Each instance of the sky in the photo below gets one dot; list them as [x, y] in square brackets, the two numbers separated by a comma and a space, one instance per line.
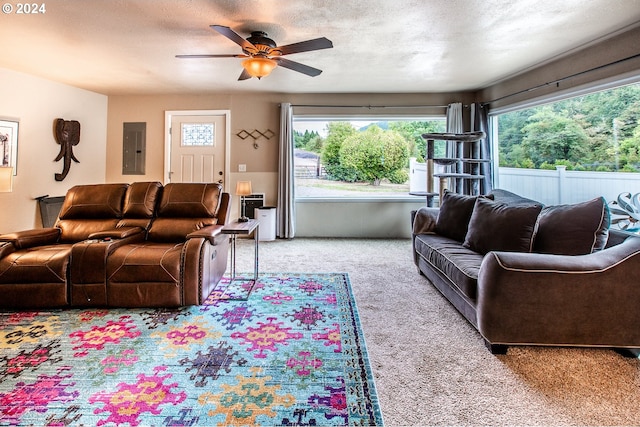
[320, 126]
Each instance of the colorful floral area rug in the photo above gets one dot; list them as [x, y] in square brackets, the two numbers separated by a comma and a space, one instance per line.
[290, 353]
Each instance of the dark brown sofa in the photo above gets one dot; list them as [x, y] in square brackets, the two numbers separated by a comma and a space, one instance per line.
[524, 274]
[120, 245]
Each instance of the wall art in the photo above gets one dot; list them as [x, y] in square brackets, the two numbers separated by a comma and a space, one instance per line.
[9, 144]
[67, 133]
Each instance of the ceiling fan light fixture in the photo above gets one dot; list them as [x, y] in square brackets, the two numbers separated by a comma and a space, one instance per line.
[259, 67]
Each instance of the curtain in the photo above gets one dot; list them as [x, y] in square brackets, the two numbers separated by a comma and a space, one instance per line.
[480, 122]
[454, 149]
[286, 201]
[454, 118]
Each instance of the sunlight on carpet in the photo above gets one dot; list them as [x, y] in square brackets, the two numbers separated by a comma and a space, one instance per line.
[292, 353]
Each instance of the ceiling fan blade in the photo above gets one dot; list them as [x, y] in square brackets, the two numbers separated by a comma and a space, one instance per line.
[213, 56]
[306, 46]
[235, 37]
[244, 75]
[296, 66]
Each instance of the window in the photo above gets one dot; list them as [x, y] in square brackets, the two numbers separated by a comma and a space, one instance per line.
[571, 150]
[358, 157]
[197, 134]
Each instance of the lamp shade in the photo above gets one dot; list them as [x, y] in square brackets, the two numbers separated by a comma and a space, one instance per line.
[243, 188]
[259, 67]
[6, 179]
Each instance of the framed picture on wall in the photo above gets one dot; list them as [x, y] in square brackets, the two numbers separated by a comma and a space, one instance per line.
[9, 144]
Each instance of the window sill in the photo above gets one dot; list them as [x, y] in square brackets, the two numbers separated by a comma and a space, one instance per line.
[343, 199]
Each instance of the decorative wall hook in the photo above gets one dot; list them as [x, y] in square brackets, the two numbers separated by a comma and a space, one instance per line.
[255, 134]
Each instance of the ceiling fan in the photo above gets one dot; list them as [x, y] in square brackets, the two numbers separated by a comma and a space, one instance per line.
[263, 54]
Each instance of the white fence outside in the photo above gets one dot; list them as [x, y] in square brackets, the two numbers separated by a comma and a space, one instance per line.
[417, 176]
[561, 186]
[551, 187]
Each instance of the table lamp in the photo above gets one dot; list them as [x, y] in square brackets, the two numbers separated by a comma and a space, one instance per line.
[243, 188]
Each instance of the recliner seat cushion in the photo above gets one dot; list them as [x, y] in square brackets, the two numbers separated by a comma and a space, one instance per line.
[459, 264]
[42, 264]
[145, 275]
[145, 262]
[76, 230]
[175, 230]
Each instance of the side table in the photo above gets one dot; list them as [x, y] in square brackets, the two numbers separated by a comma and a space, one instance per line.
[234, 229]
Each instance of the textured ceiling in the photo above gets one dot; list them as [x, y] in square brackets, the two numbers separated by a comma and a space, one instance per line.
[129, 47]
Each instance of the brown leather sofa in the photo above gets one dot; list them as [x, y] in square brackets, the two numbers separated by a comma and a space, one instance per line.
[120, 245]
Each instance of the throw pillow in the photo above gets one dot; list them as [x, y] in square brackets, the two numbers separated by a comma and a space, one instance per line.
[497, 226]
[576, 229]
[454, 215]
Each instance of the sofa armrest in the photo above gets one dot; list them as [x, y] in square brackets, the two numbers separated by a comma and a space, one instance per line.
[31, 238]
[618, 236]
[116, 233]
[209, 232]
[424, 220]
[6, 248]
[204, 261]
[592, 299]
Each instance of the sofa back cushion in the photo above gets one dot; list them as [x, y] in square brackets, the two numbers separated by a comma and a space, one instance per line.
[93, 201]
[185, 208]
[89, 209]
[186, 200]
[496, 226]
[577, 229]
[140, 203]
[454, 215]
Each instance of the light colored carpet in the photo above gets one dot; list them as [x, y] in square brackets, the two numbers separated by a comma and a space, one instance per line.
[432, 368]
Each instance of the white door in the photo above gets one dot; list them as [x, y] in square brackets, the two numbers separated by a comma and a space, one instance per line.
[197, 147]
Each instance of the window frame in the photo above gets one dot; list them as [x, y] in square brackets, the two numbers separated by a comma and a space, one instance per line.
[373, 117]
[558, 96]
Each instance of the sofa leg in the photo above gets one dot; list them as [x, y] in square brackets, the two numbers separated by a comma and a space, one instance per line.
[496, 348]
[628, 352]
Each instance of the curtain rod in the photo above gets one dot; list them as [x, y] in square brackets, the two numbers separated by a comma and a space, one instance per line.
[558, 81]
[370, 107]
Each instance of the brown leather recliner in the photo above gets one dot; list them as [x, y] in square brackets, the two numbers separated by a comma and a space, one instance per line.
[183, 257]
[137, 245]
[87, 276]
[35, 273]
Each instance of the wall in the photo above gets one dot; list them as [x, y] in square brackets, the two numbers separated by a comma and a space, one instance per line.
[608, 60]
[248, 112]
[339, 218]
[356, 218]
[36, 103]
[262, 112]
